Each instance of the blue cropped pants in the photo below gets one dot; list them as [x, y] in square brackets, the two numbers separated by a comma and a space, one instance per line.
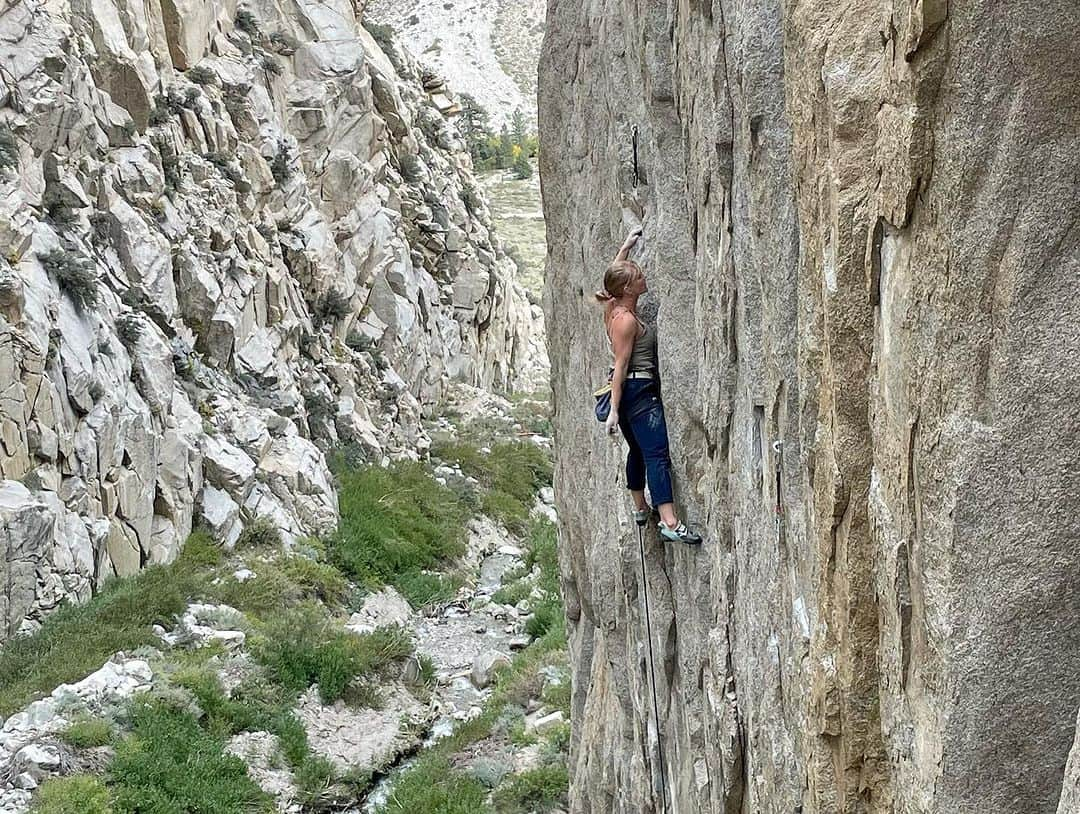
[641, 419]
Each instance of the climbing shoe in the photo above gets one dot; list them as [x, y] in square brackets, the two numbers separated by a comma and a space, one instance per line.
[679, 534]
[641, 517]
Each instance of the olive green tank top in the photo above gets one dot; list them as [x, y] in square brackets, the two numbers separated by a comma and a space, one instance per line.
[643, 356]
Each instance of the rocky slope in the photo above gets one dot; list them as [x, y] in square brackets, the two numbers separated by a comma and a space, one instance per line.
[861, 235]
[486, 49]
[230, 239]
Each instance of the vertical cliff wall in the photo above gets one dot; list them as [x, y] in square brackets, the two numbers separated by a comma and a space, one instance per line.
[862, 238]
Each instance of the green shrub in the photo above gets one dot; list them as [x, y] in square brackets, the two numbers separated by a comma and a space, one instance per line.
[78, 794]
[432, 786]
[200, 551]
[271, 65]
[317, 580]
[129, 327]
[284, 43]
[511, 473]
[159, 114]
[201, 75]
[394, 522]
[542, 549]
[428, 675]
[74, 274]
[512, 592]
[522, 167]
[246, 22]
[171, 765]
[302, 647]
[421, 588]
[411, 169]
[88, 733]
[541, 789]
[333, 306]
[507, 509]
[281, 170]
[260, 533]
[546, 616]
[382, 34]
[9, 148]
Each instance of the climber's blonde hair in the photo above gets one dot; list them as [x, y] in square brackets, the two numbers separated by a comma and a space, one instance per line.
[618, 276]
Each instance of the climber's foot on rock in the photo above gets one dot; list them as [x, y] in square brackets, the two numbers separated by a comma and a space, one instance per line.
[679, 534]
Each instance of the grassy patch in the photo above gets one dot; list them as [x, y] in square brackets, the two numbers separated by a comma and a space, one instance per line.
[260, 533]
[396, 523]
[302, 647]
[541, 789]
[259, 705]
[511, 474]
[78, 794]
[434, 788]
[280, 584]
[171, 765]
[87, 733]
[77, 639]
[512, 592]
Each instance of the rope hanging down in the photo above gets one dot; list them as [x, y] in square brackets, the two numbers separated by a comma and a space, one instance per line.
[652, 667]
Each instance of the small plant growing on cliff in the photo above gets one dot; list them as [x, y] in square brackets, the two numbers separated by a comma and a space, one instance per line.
[201, 75]
[260, 533]
[471, 198]
[382, 34]
[236, 101]
[411, 169]
[225, 163]
[129, 327]
[280, 165]
[271, 65]
[74, 274]
[333, 306]
[191, 97]
[158, 115]
[99, 223]
[284, 43]
[9, 148]
[246, 22]
[10, 286]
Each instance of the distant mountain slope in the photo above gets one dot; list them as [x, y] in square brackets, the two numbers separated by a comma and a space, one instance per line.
[488, 48]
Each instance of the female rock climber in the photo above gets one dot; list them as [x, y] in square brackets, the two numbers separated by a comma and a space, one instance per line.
[636, 407]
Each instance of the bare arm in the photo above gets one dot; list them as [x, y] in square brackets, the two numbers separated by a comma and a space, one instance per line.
[623, 332]
[628, 244]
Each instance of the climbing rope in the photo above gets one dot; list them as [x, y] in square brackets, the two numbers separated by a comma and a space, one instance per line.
[652, 666]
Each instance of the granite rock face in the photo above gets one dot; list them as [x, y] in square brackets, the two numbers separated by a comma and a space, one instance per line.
[231, 238]
[861, 237]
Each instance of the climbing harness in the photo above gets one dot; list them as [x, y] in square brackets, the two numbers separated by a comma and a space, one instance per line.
[652, 664]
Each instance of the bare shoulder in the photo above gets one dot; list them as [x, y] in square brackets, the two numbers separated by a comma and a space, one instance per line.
[622, 325]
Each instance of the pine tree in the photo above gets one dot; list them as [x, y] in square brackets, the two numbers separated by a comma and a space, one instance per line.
[506, 148]
[519, 129]
[522, 166]
[474, 126]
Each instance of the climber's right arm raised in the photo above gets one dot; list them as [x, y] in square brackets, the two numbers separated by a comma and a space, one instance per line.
[628, 244]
